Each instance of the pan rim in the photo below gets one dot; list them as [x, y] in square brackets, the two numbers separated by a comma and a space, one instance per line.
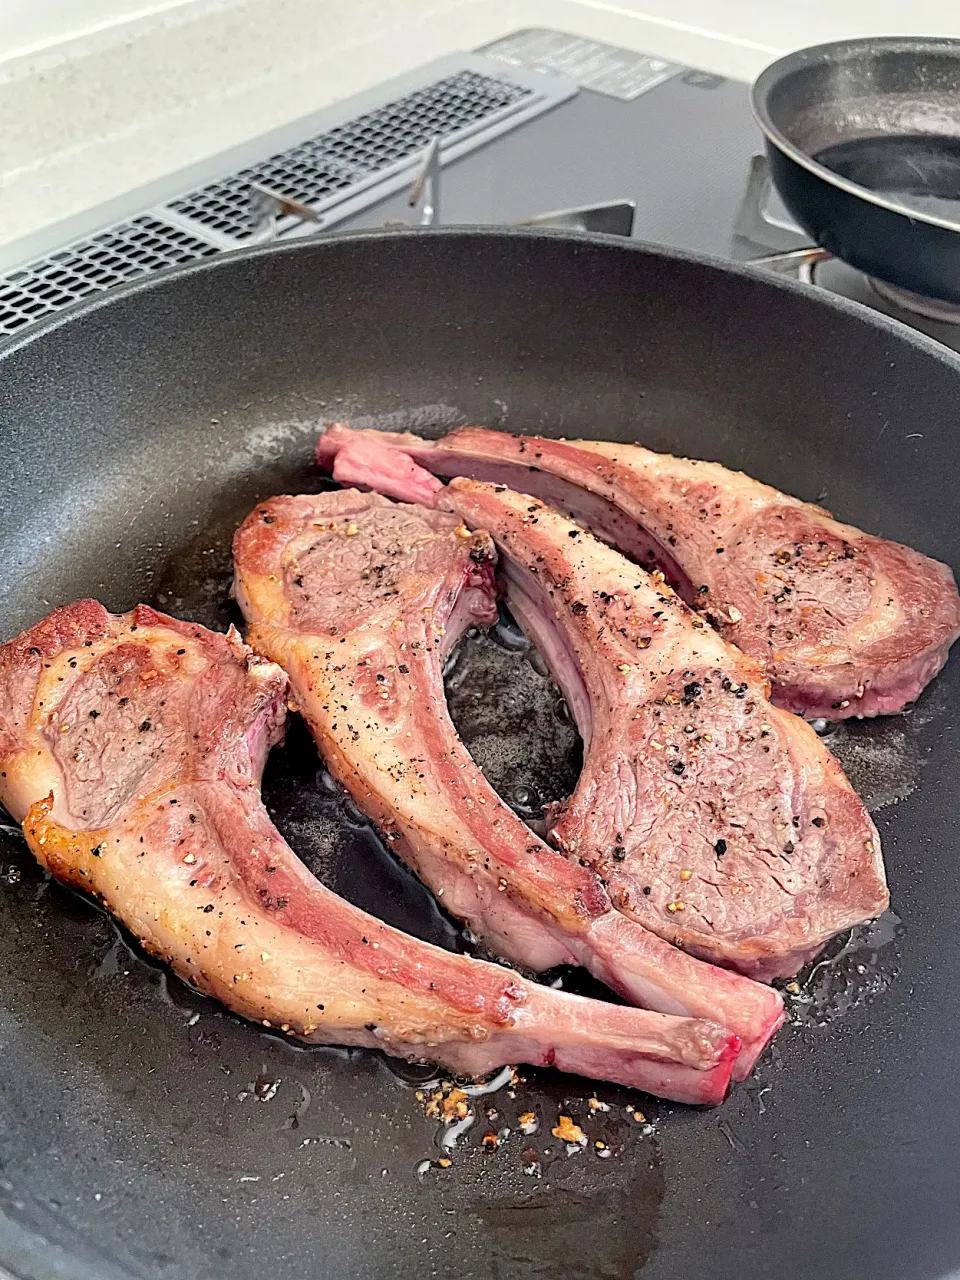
[883, 324]
[800, 58]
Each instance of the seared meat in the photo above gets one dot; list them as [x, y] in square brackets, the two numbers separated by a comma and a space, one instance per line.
[132, 747]
[716, 820]
[845, 624]
[359, 599]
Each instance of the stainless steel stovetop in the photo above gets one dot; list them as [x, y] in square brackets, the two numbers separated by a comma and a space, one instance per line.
[536, 122]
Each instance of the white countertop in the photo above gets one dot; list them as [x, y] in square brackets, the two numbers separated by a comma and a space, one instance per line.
[95, 115]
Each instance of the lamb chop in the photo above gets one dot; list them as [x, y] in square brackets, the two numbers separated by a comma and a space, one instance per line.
[844, 623]
[360, 599]
[716, 820]
[131, 748]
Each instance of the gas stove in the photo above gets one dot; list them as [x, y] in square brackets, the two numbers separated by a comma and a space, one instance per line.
[540, 128]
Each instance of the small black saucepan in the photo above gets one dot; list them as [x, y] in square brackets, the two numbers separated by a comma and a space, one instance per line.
[863, 140]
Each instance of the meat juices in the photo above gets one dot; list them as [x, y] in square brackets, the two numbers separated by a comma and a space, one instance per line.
[844, 623]
[131, 748]
[360, 599]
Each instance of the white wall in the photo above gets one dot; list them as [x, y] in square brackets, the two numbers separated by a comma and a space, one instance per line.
[28, 25]
[795, 23]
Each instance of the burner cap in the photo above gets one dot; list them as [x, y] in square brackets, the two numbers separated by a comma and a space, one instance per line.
[932, 308]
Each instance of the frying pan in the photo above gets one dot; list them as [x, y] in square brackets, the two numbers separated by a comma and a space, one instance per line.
[146, 1133]
[863, 140]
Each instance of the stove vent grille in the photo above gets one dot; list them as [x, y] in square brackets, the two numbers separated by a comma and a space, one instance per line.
[340, 161]
[327, 165]
[111, 257]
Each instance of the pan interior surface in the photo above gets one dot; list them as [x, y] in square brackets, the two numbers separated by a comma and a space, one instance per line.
[140, 1140]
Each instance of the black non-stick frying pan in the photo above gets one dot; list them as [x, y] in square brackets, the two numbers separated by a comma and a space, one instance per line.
[145, 1132]
[863, 140]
